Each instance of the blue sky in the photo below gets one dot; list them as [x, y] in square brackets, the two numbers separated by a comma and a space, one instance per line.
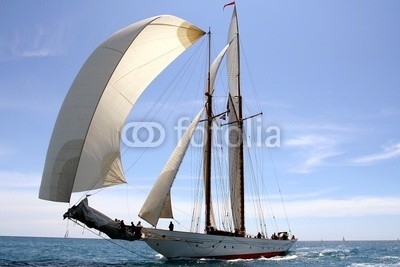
[326, 72]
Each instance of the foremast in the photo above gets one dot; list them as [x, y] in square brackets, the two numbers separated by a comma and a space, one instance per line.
[208, 141]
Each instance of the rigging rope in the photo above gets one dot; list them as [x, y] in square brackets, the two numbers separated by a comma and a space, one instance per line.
[254, 91]
[280, 192]
[107, 239]
[182, 71]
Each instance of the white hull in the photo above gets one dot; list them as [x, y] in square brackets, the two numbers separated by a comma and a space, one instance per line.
[175, 244]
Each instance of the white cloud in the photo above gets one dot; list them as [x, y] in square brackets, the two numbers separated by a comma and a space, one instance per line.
[345, 207]
[44, 42]
[314, 160]
[305, 195]
[298, 124]
[19, 180]
[41, 52]
[389, 152]
[356, 206]
[313, 150]
[34, 41]
[5, 150]
[311, 140]
[27, 215]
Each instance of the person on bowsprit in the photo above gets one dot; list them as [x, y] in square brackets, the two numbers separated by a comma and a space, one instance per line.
[133, 228]
[171, 226]
[122, 226]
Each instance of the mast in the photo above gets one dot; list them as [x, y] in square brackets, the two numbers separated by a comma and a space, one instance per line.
[236, 159]
[240, 126]
[208, 142]
[241, 158]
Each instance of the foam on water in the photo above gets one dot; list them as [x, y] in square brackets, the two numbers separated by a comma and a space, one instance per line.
[280, 258]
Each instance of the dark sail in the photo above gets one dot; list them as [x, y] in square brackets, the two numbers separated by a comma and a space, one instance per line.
[97, 220]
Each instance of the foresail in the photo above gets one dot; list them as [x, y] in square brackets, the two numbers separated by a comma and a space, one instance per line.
[158, 202]
[235, 134]
[84, 150]
[215, 67]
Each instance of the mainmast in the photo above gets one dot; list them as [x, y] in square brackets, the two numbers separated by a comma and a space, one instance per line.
[208, 141]
[236, 159]
[240, 125]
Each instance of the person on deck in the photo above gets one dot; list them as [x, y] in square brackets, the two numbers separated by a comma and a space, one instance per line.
[138, 230]
[171, 226]
[236, 233]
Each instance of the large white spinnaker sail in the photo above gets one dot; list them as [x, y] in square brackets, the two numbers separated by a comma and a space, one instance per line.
[84, 151]
[234, 117]
[158, 202]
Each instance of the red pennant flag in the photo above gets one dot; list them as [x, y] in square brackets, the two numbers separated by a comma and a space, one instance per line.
[229, 4]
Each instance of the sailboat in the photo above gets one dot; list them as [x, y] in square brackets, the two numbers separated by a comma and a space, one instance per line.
[84, 151]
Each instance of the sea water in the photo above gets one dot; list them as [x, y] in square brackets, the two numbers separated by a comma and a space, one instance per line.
[35, 251]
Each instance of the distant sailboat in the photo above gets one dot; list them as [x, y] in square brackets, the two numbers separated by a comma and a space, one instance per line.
[84, 151]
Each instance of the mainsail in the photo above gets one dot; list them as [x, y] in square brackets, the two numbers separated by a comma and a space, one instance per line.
[158, 202]
[84, 151]
[235, 127]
